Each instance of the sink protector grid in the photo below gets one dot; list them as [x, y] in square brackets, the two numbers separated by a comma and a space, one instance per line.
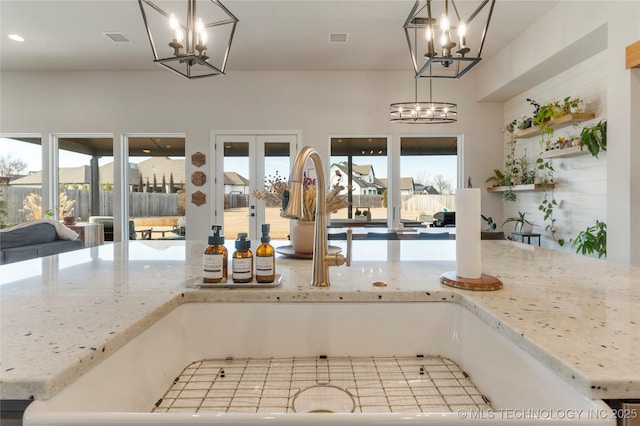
[419, 384]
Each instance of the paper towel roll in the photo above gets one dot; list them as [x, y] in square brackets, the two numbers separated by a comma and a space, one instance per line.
[468, 264]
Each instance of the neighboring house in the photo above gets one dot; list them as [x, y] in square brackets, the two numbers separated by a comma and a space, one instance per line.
[407, 186]
[430, 190]
[81, 175]
[364, 181]
[160, 167]
[235, 183]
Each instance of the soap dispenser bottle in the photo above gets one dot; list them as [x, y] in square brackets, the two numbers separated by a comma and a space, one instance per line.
[265, 258]
[214, 263]
[242, 260]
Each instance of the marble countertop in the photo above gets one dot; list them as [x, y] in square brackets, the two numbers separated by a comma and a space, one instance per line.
[61, 315]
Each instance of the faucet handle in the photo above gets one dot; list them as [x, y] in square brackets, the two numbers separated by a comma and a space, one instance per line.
[349, 238]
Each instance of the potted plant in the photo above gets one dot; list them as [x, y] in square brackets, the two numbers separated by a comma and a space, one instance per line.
[571, 106]
[302, 230]
[595, 137]
[490, 222]
[592, 240]
[511, 127]
[520, 221]
[499, 178]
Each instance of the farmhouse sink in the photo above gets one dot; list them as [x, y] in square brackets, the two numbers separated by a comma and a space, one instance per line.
[357, 363]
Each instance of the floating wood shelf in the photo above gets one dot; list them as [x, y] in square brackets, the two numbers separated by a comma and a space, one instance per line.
[565, 152]
[515, 188]
[564, 121]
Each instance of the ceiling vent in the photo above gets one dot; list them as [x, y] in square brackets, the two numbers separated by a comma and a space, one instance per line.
[117, 37]
[338, 37]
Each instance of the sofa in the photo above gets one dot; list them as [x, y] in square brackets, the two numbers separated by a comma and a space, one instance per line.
[36, 239]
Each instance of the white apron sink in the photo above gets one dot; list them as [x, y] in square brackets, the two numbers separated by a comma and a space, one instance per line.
[500, 382]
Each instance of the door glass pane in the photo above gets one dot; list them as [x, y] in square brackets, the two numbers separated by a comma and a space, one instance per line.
[20, 180]
[236, 189]
[429, 177]
[360, 163]
[156, 184]
[277, 162]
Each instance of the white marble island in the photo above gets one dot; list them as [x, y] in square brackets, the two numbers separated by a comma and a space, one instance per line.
[62, 315]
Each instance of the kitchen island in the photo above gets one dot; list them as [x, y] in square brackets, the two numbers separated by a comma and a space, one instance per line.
[61, 315]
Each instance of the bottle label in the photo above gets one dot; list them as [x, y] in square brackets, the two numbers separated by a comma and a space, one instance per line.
[242, 268]
[264, 266]
[212, 266]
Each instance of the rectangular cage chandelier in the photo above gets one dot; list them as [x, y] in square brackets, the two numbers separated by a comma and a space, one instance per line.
[444, 44]
[193, 36]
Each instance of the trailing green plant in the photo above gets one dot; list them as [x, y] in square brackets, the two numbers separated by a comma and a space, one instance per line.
[595, 137]
[592, 240]
[509, 195]
[547, 207]
[511, 127]
[536, 106]
[520, 221]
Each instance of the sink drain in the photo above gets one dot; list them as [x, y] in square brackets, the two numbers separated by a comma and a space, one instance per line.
[323, 399]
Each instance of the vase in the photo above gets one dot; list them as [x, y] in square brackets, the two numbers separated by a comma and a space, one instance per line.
[302, 236]
[69, 220]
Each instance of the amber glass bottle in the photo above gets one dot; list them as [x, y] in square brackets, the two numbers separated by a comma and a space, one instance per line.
[242, 260]
[214, 263]
[265, 258]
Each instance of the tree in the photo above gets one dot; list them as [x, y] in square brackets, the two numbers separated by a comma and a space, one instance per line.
[10, 165]
[442, 185]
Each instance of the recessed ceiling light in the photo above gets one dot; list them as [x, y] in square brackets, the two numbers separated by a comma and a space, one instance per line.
[15, 37]
[146, 151]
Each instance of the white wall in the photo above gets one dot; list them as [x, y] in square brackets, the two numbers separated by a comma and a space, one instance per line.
[570, 33]
[581, 182]
[315, 103]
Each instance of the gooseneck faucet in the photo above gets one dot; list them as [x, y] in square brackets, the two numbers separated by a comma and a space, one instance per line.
[292, 205]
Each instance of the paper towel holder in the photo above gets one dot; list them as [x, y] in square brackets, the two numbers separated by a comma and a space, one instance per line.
[484, 283]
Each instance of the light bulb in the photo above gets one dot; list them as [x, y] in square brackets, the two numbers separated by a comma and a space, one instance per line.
[400, 110]
[445, 110]
[428, 34]
[179, 36]
[203, 37]
[462, 29]
[444, 39]
[173, 22]
[417, 107]
[433, 107]
[444, 22]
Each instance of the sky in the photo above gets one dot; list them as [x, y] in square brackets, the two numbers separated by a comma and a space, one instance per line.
[421, 168]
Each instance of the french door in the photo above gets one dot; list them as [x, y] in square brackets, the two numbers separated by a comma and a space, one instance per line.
[244, 163]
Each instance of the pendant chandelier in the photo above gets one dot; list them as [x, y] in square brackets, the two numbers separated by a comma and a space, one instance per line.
[193, 40]
[451, 45]
[431, 112]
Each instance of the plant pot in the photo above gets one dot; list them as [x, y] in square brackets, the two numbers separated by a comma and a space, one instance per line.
[69, 220]
[302, 236]
[526, 228]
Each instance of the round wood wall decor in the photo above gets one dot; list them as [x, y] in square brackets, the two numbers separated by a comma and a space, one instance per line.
[198, 198]
[198, 178]
[198, 159]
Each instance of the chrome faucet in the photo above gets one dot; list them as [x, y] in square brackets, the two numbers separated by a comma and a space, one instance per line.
[292, 203]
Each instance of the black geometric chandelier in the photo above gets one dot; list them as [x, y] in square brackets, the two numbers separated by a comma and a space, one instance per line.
[431, 112]
[193, 40]
[450, 45]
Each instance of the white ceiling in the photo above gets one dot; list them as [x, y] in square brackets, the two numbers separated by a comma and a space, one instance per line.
[271, 34]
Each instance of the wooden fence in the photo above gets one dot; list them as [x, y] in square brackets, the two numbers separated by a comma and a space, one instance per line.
[141, 204]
